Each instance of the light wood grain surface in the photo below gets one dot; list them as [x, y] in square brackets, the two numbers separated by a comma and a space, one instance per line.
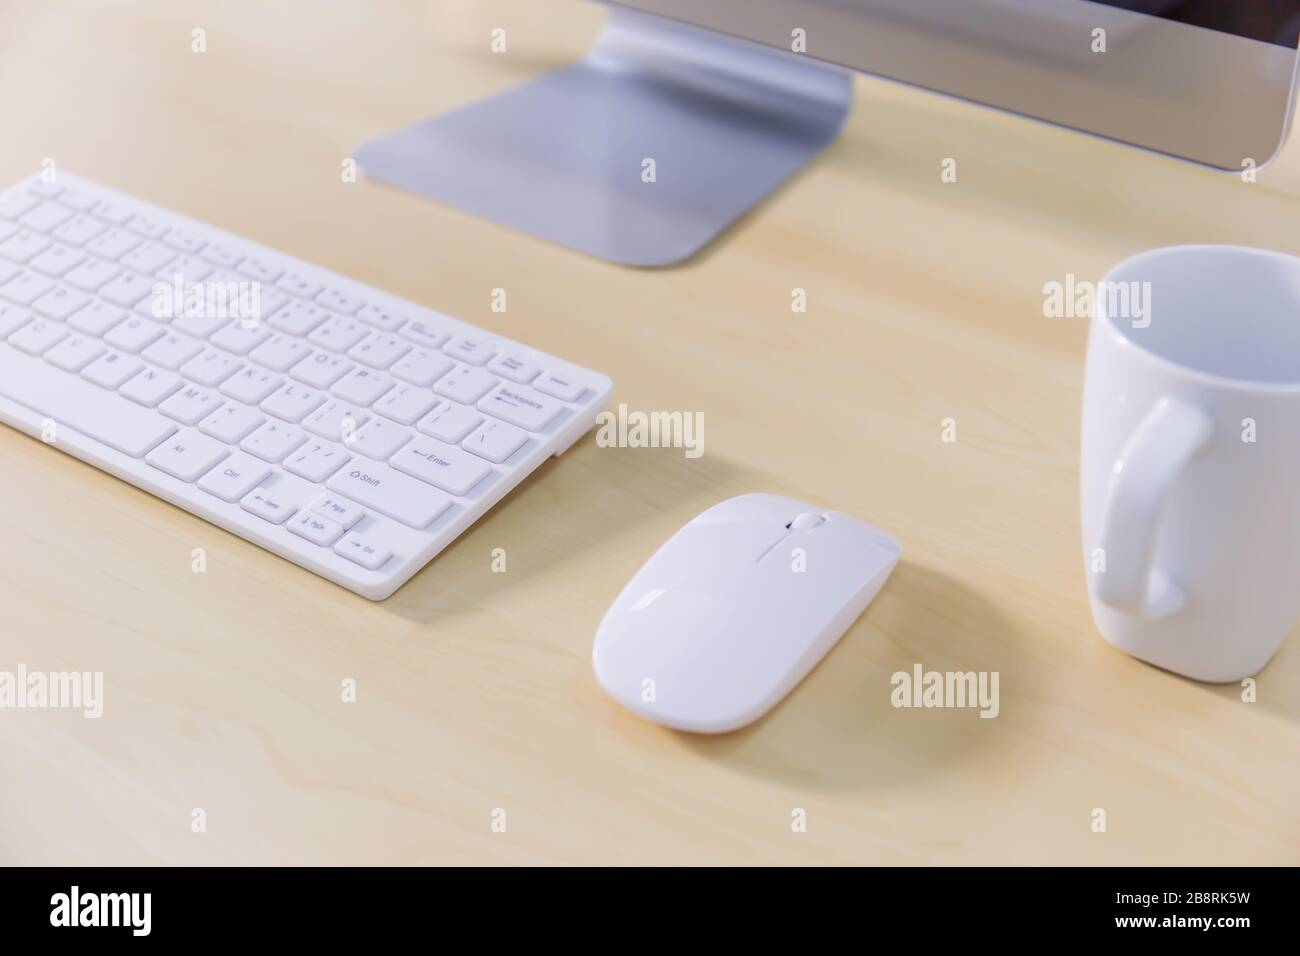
[475, 690]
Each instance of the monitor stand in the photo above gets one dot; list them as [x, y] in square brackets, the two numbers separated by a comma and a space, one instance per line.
[640, 153]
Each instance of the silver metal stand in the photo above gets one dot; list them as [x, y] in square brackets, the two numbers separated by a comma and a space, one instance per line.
[641, 153]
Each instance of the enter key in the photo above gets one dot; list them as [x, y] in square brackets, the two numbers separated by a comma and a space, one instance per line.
[442, 465]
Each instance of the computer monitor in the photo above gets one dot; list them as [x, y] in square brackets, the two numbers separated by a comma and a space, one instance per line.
[686, 113]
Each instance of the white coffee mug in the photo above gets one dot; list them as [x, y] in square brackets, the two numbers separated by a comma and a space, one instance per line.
[1190, 469]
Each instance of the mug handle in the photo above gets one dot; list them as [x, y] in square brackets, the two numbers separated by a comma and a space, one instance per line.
[1147, 467]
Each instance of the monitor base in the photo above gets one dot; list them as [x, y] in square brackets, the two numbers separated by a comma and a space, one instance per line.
[640, 153]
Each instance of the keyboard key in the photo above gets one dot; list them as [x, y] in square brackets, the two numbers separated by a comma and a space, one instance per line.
[469, 350]
[260, 270]
[231, 422]
[22, 246]
[159, 305]
[59, 303]
[406, 404]
[133, 334]
[316, 461]
[378, 439]
[496, 441]
[300, 285]
[92, 274]
[221, 254]
[184, 269]
[522, 406]
[96, 318]
[189, 406]
[269, 504]
[111, 370]
[315, 529]
[79, 230]
[337, 421]
[379, 350]
[238, 338]
[465, 384]
[74, 353]
[149, 257]
[57, 260]
[422, 367]
[184, 241]
[380, 488]
[514, 368]
[36, 337]
[362, 386]
[211, 368]
[112, 244]
[199, 326]
[563, 387]
[77, 199]
[12, 318]
[18, 204]
[144, 226]
[26, 288]
[282, 352]
[339, 510]
[237, 290]
[163, 303]
[46, 217]
[426, 333]
[112, 211]
[172, 351]
[450, 422]
[235, 477]
[46, 189]
[293, 402]
[363, 551]
[7, 271]
[80, 406]
[274, 441]
[442, 465]
[250, 385]
[266, 302]
[339, 301]
[381, 318]
[187, 455]
[338, 335]
[150, 387]
[127, 289]
[298, 318]
[321, 370]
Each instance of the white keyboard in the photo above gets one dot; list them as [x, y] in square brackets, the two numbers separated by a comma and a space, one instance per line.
[352, 432]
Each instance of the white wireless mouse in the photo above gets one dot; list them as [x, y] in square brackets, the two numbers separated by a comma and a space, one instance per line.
[736, 608]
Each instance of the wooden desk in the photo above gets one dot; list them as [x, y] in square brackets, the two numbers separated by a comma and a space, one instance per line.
[474, 688]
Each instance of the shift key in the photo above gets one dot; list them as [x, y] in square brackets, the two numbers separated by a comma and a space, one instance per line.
[390, 492]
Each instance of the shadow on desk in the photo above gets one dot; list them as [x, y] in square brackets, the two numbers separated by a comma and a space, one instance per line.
[839, 729]
[1277, 686]
[588, 498]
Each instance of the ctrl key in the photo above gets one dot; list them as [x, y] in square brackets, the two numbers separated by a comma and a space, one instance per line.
[235, 477]
[366, 553]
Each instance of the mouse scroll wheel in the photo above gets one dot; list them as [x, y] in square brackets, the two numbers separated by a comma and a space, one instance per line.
[806, 522]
